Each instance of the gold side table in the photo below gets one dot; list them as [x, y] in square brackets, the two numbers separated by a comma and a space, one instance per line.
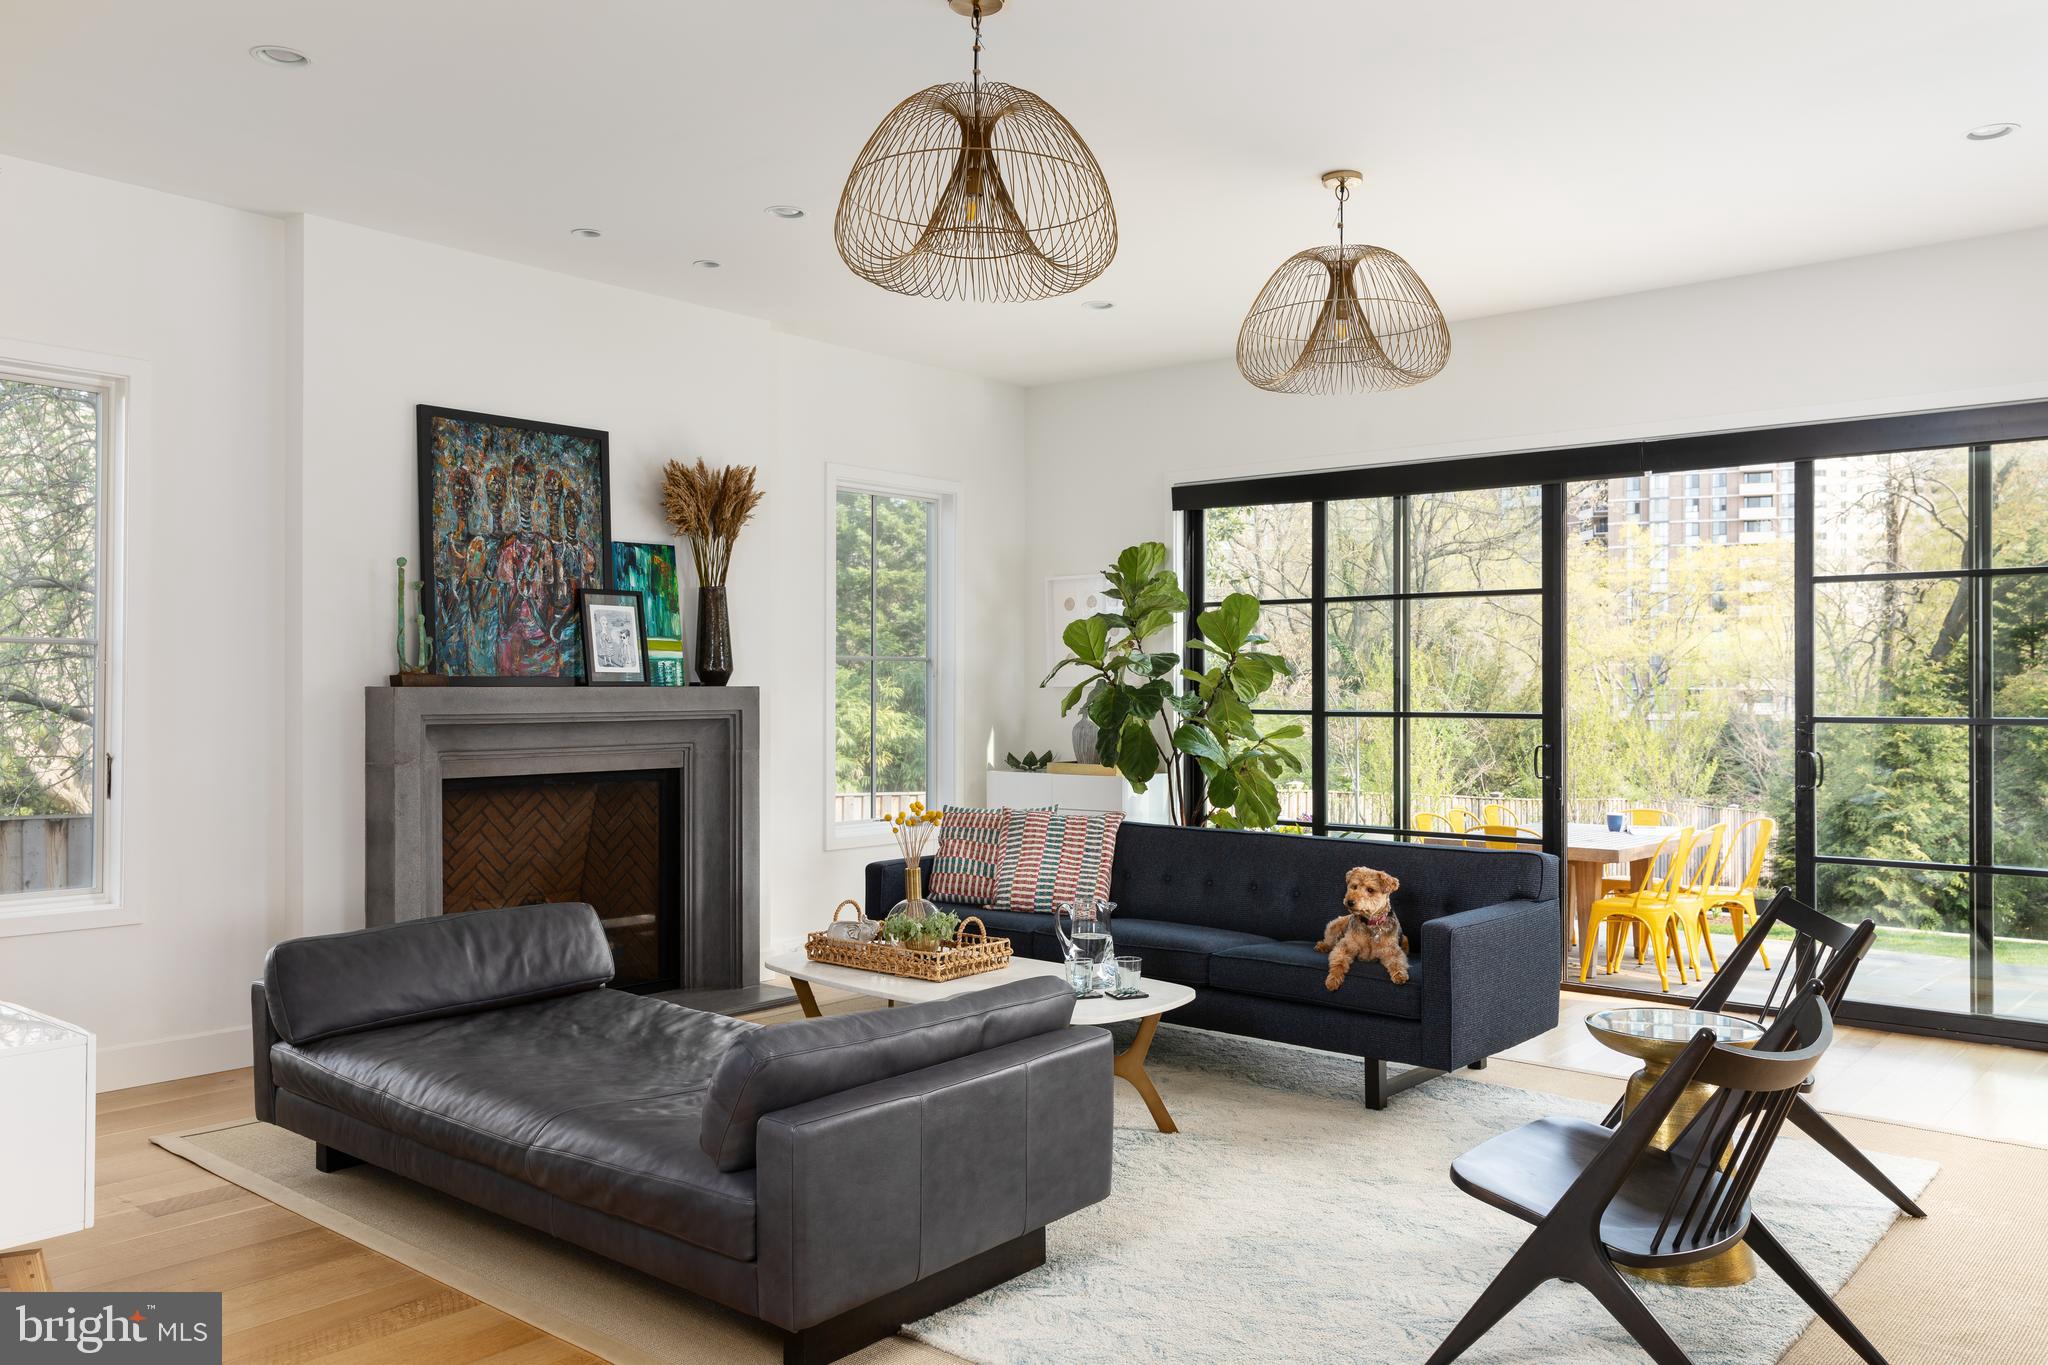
[1656, 1035]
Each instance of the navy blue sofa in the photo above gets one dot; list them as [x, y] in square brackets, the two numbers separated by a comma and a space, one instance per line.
[1237, 915]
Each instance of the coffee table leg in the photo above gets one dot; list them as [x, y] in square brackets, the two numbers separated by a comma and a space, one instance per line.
[1130, 1064]
[805, 999]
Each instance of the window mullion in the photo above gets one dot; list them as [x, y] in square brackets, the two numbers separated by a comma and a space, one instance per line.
[1399, 816]
[931, 529]
[1983, 912]
[874, 667]
[1319, 701]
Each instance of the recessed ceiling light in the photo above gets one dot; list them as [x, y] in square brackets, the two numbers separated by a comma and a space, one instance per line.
[1991, 132]
[278, 55]
[784, 210]
[1099, 305]
[586, 232]
[706, 264]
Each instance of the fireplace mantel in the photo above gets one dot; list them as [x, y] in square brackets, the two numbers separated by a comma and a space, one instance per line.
[419, 737]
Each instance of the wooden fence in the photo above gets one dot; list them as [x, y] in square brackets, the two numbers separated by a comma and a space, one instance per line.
[45, 853]
[851, 806]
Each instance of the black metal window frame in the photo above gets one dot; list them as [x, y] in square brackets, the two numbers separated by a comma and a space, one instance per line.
[1553, 468]
[1400, 598]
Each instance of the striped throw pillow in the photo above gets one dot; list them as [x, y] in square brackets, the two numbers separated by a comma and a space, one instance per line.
[970, 844]
[1053, 856]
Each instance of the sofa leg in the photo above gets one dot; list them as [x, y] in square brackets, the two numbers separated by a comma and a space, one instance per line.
[1479, 1065]
[839, 1337]
[1378, 1089]
[327, 1160]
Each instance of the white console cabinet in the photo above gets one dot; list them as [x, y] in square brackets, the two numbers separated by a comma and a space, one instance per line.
[1078, 791]
[46, 1135]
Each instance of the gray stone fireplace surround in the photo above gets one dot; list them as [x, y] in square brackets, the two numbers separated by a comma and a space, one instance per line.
[419, 737]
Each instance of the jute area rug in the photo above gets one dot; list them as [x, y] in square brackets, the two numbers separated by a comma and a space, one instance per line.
[1285, 1222]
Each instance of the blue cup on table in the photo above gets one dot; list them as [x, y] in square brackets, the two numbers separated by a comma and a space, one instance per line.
[1617, 823]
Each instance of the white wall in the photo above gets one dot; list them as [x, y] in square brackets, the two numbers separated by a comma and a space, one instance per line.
[1932, 327]
[187, 293]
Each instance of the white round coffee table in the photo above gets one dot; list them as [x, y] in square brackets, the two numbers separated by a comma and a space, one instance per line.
[1160, 996]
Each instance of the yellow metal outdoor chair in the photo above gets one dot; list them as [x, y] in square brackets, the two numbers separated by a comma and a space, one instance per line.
[1733, 885]
[1655, 818]
[1429, 822]
[1504, 835]
[1653, 905]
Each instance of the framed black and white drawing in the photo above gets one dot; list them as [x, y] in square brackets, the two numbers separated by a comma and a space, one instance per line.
[614, 639]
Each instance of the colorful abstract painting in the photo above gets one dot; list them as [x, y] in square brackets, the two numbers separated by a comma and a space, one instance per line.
[514, 519]
[650, 570]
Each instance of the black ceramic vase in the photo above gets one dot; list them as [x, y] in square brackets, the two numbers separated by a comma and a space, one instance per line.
[714, 638]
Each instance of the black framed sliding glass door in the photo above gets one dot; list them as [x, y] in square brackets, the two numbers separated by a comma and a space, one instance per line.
[1923, 797]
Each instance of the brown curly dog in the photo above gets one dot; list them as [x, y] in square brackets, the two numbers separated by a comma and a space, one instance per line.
[1366, 929]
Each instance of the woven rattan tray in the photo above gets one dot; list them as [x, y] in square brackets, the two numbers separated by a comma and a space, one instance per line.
[965, 954]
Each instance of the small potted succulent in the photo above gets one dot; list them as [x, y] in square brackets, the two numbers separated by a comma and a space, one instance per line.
[924, 932]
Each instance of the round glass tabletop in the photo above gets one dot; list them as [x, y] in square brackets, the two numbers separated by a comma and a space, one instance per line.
[1656, 1034]
[1675, 1025]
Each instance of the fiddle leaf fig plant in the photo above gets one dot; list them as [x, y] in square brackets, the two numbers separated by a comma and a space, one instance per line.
[1144, 720]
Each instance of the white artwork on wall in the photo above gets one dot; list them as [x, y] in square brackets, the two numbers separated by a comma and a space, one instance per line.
[1075, 597]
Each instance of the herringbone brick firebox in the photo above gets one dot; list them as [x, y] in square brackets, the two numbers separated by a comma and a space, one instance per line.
[600, 838]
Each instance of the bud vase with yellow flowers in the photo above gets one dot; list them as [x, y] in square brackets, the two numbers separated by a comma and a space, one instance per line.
[913, 832]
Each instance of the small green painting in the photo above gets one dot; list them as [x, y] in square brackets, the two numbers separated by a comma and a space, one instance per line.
[650, 570]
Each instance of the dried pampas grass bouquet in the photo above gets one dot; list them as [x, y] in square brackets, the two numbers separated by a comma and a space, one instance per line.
[708, 507]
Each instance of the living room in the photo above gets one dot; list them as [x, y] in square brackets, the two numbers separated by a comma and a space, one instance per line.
[1371, 625]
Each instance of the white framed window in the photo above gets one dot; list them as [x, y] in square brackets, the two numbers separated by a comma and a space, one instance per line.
[63, 424]
[890, 700]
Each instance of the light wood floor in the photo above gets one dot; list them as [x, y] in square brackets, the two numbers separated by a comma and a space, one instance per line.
[293, 1291]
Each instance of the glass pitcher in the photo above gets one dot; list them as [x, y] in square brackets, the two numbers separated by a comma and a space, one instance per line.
[1082, 926]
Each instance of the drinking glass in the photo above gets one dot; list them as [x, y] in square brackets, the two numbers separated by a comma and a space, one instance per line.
[1129, 972]
[1080, 975]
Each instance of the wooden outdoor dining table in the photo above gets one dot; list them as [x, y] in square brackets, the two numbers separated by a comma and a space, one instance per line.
[1588, 849]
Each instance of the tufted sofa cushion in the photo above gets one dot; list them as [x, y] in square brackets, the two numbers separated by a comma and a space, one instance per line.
[1288, 886]
[1176, 952]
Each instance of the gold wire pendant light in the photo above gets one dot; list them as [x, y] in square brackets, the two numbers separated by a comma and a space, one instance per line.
[976, 190]
[1342, 319]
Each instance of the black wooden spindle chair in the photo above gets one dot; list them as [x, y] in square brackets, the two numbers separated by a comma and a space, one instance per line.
[1601, 1197]
[1825, 950]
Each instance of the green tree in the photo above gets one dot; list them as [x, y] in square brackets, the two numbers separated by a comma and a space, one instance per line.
[883, 582]
[49, 601]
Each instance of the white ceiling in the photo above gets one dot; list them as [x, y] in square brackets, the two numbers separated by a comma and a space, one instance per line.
[1517, 154]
